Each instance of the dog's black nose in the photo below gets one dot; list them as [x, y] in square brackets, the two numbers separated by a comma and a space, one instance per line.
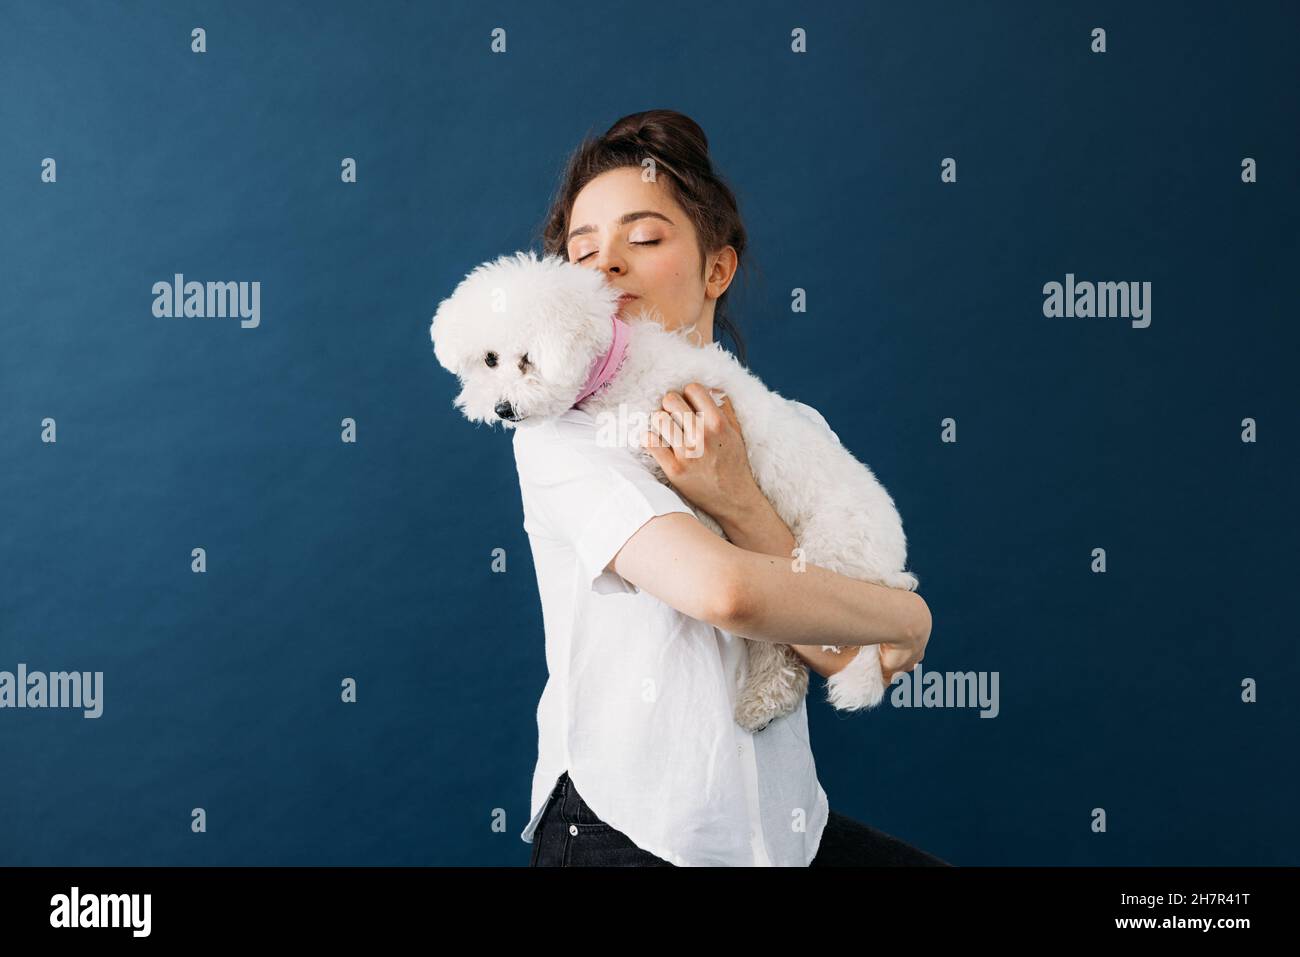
[504, 410]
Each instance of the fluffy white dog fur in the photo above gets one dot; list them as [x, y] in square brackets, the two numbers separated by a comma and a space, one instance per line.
[548, 321]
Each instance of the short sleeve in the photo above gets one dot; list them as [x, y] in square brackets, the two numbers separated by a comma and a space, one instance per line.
[590, 496]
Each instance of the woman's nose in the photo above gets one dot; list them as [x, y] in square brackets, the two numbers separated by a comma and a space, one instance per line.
[610, 263]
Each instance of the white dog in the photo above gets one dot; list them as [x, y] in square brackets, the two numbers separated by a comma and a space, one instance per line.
[534, 337]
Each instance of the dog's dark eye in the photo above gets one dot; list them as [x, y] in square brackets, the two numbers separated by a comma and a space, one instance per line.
[523, 362]
[491, 359]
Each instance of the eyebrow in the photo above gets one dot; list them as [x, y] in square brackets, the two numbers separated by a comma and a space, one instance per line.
[623, 221]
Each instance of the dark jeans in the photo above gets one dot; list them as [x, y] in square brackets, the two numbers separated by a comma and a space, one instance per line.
[570, 835]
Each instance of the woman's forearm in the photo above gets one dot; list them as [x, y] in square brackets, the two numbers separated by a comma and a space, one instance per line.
[757, 527]
[773, 601]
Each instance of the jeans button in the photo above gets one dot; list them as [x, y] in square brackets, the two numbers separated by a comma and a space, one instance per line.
[573, 829]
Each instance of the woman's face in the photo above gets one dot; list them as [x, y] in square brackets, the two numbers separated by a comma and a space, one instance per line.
[637, 235]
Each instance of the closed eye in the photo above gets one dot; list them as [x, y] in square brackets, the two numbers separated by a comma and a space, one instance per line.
[647, 242]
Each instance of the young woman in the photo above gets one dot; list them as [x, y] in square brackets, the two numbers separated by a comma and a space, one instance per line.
[642, 605]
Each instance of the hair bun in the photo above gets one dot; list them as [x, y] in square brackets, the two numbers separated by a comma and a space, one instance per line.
[666, 134]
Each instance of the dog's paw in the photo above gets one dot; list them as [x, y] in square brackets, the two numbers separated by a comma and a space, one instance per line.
[859, 684]
[752, 715]
[775, 695]
[904, 580]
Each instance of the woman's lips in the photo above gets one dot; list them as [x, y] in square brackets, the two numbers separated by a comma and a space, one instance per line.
[624, 299]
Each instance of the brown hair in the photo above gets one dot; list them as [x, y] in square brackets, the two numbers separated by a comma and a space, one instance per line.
[680, 151]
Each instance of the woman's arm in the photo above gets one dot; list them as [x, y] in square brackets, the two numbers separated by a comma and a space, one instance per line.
[756, 527]
[700, 447]
[679, 561]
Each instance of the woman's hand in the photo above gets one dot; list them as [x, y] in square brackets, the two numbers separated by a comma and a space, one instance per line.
[700, 447]
[899, 657]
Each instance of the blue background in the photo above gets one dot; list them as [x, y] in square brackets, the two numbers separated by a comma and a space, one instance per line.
[372, 560]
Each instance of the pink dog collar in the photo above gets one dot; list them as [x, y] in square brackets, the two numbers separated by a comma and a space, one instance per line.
[603, 369]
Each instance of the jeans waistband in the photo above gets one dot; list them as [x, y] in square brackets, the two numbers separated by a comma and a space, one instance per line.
[569, 804]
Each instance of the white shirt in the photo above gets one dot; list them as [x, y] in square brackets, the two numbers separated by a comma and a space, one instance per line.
[638, 702]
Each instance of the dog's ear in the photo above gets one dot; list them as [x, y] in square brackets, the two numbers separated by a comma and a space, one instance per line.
[440, 333]
[571, 323]
[560, 347]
